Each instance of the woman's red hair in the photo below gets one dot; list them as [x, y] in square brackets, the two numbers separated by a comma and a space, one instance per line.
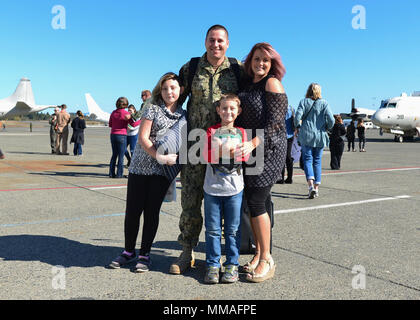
[277, 68]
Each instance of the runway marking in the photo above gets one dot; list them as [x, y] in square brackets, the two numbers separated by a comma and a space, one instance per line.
[373, 170]
[121, 186]
[118, 187]
[73, 187]
[364, 171]
[343, 204]
[23, 134]
[108, 187]
[327, 206]
[93, 188]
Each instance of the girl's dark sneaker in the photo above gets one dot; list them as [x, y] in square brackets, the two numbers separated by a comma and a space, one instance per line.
[122, 260]
[288, 181]
[143, 264]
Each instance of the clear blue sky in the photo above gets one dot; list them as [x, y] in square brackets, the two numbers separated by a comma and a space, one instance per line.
[118, 48]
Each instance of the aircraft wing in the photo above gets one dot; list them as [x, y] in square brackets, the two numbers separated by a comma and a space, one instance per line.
[361, 115]
[353, 115]
[345, 116]
[38, 108]
[23, 108]
[20, 108]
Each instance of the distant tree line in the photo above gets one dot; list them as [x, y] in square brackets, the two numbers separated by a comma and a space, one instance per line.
[42, 116]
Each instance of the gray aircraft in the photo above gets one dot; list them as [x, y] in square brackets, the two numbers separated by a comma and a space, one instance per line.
[399, 116]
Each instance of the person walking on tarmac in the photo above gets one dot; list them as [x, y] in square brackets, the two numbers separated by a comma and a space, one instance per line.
[351, 136]
[313, 118]
[337, 143]
[205, 79]
[361, 129]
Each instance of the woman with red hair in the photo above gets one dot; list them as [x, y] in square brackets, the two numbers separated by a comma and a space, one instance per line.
[264, 105]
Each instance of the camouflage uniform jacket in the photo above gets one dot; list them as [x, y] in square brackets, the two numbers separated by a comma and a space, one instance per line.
[207, 88]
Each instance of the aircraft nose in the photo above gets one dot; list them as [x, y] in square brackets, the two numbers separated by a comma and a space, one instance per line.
[381, 118]
[376, 118]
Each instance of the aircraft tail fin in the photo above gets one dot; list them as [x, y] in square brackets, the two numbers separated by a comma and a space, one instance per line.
[22, 101]
[94, 108]
[353, 106]
[24, 92]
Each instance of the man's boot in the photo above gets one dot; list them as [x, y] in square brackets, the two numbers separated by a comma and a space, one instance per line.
[185, 261]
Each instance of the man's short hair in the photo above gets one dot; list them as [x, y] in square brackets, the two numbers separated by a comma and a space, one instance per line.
[217, 27]
[146, 92]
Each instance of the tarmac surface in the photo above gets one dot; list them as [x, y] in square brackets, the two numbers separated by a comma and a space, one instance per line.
[61, 224]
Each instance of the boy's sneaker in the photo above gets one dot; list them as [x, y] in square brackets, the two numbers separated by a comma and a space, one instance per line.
[212, 275]
[122, 260]
[231, 274]
[143, 264]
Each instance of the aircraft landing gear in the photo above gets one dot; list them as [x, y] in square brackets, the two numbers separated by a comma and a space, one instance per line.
[403, 138]
[398, 138]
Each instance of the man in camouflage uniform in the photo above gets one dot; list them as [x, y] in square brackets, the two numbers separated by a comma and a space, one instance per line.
[214, 76]
[53, 134]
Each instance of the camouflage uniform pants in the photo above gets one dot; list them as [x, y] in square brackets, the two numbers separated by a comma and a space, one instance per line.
[191, 220]
[53, 137]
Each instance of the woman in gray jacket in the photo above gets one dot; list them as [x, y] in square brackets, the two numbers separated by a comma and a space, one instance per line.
[313, 118]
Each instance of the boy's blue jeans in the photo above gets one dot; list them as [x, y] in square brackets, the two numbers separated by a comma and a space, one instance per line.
[228, 208]
[312, 160]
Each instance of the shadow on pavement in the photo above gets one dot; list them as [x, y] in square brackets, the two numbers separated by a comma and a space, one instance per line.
[30, 152]
[289, 195]
[99, 165]
[55, 251]
[71, 174]
[59, 251]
